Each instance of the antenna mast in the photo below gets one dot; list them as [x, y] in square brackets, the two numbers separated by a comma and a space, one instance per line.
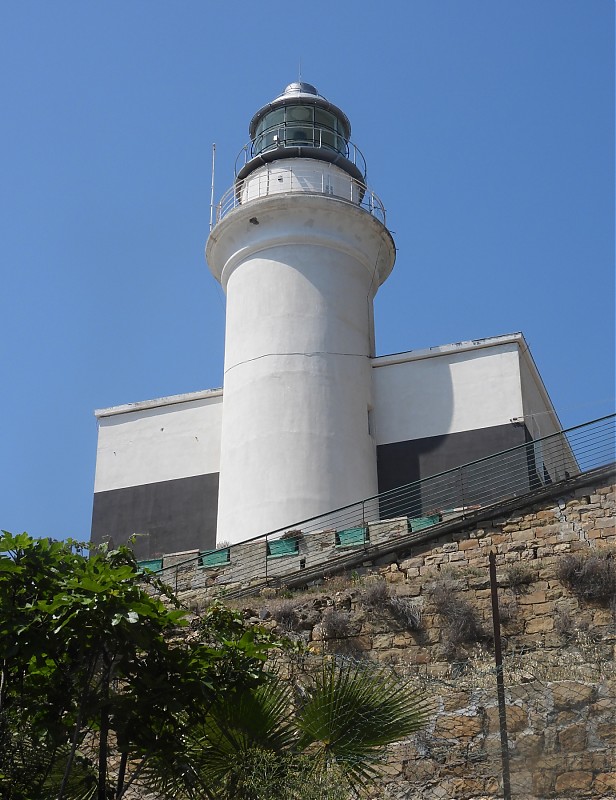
[212, 191]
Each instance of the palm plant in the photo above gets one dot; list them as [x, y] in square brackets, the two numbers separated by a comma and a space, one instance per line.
[352, 713]
[326, 740]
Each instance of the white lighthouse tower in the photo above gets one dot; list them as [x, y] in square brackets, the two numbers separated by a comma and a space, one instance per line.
[300, 247]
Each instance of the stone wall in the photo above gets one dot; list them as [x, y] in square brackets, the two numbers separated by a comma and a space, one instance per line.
[411, 605]
[407, 608]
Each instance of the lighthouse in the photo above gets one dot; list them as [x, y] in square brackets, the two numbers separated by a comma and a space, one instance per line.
[300, 248]
[310, 419]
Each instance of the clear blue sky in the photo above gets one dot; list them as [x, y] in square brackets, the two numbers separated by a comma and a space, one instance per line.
[488, 128]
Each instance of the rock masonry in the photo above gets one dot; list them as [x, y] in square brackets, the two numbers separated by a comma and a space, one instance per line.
[559, 650]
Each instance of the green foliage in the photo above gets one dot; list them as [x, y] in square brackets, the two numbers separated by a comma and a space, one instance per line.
[325, 740]
[88, 657]
[350, 715]
[93, 668]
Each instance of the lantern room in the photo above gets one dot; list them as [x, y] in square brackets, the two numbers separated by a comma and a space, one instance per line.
[301, 123]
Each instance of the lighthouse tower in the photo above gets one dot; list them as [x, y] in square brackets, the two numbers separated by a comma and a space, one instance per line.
[300, 248]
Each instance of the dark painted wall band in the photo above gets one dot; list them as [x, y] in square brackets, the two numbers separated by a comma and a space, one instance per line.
[168, 517]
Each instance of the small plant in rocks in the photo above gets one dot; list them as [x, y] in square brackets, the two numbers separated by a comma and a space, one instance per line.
[406, 612]
[461, 625]
[518, 577]
[507, 609]
[285, 614]
[377, 595]
[591, 576]
[564, 624]
[335, 624]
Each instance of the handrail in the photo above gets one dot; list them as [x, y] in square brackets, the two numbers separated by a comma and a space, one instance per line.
[275, 179]
[252, 149]
[415, 507]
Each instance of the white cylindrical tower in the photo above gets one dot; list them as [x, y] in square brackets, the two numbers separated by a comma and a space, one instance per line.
[300, 248]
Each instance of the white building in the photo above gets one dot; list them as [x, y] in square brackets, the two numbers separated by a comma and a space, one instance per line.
[312, 419]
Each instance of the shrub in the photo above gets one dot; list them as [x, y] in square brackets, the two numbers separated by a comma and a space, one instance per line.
[563, 622]
[518, 576]
[507, 609]
[337, 633]
[285, 614]
[335, 624]
[591, 576]
[406, 612]
[461, 624]
[377, 595]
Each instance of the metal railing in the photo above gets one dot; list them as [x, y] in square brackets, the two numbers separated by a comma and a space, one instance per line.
[278, 179]
[322, 139]
[296, 553]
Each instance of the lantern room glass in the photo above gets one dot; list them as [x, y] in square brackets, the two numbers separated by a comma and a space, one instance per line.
[300, 125]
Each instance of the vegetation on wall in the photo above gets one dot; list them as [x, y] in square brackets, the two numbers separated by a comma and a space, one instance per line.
[518, 577]
[101, 691]
[460, 622]
[407, 613]
[592, 576]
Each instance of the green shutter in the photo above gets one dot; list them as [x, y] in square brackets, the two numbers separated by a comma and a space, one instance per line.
[417, 523]
[352, 537]
[153, 565]
[279, 548]
[215, 558]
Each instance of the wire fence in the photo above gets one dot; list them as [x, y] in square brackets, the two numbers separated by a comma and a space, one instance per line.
[301, 552]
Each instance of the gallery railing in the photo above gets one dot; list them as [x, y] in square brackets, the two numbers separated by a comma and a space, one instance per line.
[277, 179]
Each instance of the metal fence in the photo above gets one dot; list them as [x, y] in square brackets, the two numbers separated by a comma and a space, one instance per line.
[274, 179]
[295, 554]
[319, 139]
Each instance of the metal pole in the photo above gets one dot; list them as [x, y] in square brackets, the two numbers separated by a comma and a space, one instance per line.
[462, 492]
[363, 520]
[500, 684]
[212, 192]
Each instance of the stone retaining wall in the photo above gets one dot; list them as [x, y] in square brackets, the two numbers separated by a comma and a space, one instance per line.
[559, 649]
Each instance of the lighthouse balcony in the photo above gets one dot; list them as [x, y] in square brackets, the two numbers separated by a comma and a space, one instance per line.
[305, 176]
[301, 142]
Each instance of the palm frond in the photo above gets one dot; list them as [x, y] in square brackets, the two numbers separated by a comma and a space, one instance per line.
[353, 712]
[219, 751]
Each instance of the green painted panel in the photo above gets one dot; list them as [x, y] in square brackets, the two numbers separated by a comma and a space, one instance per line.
[417, 523]
[215, 558]
[153, 565]
[352, 537]
[282, 547]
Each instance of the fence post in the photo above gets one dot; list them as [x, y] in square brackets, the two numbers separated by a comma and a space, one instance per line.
[500, 684]
[266, 578]
[364, 527]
